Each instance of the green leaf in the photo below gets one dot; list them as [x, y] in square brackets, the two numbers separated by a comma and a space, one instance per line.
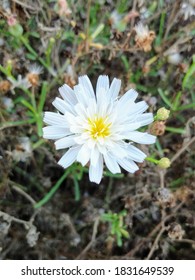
[187, 78]
[164, 98]
[53, 190]
[28, 105]
[175, 130]
[31, 56]
[177, 101]
[42, 97]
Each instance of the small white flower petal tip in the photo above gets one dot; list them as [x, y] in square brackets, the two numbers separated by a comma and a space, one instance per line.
[99, 127]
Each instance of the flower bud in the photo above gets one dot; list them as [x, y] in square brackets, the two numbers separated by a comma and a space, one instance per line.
[164, 163]
[162, 114]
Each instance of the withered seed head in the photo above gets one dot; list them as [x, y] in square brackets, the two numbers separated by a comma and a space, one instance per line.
[144, 37]
[4, 86]
[33, 79]
[158, 128]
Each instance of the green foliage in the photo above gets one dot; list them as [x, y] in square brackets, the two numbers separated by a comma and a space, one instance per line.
[118, 228]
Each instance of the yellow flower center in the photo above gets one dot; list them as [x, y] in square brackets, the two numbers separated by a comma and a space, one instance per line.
[99, 127]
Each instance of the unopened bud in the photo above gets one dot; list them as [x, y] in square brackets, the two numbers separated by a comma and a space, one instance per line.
[162, 114]
[52, 40]
[164, 163]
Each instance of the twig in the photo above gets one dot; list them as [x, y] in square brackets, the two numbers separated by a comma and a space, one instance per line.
[162, 178]
[93, 238]
[172, 19]
[157, 227]
[190, 241]
[133, 10]
[182, 149]
[87, 26]
[26, 6]
[10, 218]
[27, 196]
[155, 244]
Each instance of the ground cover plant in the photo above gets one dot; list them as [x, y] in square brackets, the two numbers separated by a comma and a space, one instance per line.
[145, 210]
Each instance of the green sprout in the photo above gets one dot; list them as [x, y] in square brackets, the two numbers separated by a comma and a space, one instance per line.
[117, 226]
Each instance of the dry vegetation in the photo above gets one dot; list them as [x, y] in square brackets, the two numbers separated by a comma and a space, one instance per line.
[48, 214]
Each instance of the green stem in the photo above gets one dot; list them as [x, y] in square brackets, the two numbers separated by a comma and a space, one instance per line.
[175, 129]
[76, 189]
[156, 161]
[16, 123]
[33, 52]
[48, 196]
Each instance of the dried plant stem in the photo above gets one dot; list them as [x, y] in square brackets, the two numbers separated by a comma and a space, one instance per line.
[190, 241]
[154, 231]
[182, 149]
[10, 218]
[93, 238]
[87, 26]
[21, 3]
[155, 244]
[162, 178]
[23, 193]
[133, 10]
[172, 18]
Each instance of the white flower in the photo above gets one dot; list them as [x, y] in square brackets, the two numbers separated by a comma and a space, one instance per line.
[115, 19]
[144, 37]
[141, 30]
[187, 9]
[35, 69]
[99, 128]
[20, 82]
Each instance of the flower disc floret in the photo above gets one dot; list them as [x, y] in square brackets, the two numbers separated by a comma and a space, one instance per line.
[100, 127]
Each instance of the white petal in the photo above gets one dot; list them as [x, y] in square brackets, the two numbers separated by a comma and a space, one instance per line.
[79, 140]
[111, 164]
[138, 108]
[81, 95]
[69, 157]
[81, 110]
[103, 103]
[71, 119]
[129, 110]
[128, 165]
[94, 156]
[92, 108]
[84, 155]
[76, 129]
[145, 119]
[126, 127]
[114, 89]
[55, 119]
[129, 96]
[68, 94]
[55, 132]
[86, 84]
[62, 106]
[135, 154]
[65, 142]
[118, 150]
[141, 137]
[95, 172]
[102, 84]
